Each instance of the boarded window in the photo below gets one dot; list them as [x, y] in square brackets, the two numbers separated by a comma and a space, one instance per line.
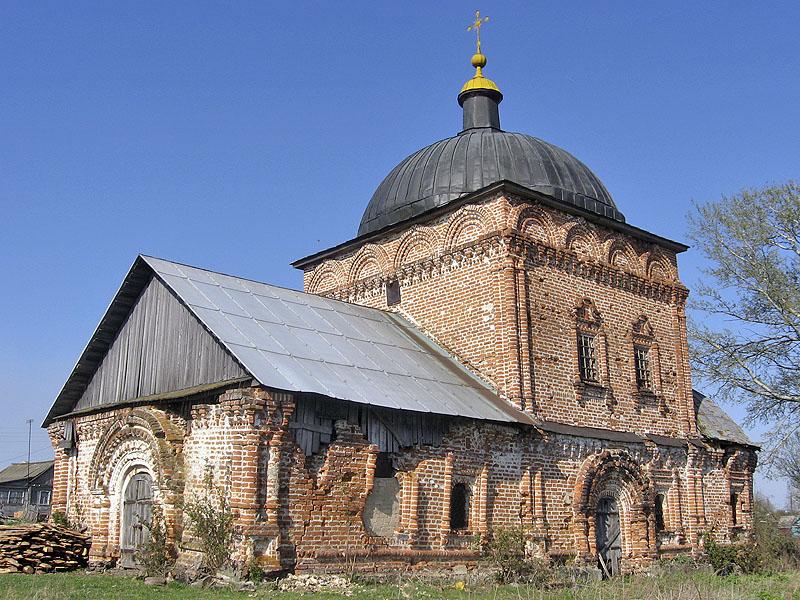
[659, 509]
[459, 507]
[587, 357]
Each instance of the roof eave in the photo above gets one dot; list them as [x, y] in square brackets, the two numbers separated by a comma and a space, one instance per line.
[489, 190]
[727, 442]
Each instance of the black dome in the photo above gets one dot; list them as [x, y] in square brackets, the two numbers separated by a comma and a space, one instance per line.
[474, 159]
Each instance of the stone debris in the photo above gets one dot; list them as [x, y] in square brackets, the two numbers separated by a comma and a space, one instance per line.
[41, 548]
[316, 583]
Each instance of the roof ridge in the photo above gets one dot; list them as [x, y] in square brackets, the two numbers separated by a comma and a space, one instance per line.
[272, 285]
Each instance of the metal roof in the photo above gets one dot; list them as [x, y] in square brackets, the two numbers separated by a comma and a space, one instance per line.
[19, 471]
[446, 170]
[715, 423]
[299, 342]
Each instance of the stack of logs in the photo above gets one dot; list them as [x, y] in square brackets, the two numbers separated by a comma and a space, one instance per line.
[41, 548]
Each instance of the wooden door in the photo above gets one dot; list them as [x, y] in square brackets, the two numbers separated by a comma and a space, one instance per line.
[137, 512]
[609, 539]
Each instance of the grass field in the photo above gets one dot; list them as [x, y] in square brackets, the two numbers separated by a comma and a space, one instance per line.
[698, 586]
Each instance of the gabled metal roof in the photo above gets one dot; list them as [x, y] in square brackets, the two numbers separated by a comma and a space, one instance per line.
[715, 423]
[298, 342]
[19, 471]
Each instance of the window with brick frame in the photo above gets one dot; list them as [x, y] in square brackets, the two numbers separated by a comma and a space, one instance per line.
[459, 507]
[734, 509]
[646, 358]
[591, 343]
[587, 357]
[644, 373]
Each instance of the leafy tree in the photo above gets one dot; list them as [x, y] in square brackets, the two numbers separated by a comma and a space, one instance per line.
[750, 347]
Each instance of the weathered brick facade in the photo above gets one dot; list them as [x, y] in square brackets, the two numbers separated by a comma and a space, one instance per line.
[506, 284]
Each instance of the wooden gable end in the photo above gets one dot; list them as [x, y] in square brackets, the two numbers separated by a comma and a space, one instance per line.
[160, 348]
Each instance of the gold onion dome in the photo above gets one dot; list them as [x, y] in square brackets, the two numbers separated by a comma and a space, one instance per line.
[478, 81]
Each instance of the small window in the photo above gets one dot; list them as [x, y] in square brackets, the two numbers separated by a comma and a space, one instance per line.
[16, 497]
[459, 507]
[393, 293]
[734, 508]
[587, 357]
[660, 503]
[44, 497]
[644, 377]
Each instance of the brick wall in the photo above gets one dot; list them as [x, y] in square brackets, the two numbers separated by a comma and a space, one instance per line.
[499, 284]
[307, 512]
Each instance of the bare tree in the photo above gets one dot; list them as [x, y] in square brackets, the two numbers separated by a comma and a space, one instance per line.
[787, 462]
[748, 344]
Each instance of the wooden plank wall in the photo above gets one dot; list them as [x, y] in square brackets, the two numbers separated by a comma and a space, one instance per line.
[160, 348]
[391, 430]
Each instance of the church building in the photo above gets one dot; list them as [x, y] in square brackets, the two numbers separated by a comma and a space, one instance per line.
[497, 347]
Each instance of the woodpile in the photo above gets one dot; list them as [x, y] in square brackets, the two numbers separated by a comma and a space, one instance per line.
[41, 548]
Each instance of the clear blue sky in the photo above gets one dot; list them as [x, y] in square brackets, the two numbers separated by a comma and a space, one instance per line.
[240, 136]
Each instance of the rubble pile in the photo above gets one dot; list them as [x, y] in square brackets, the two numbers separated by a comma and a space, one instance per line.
[316, 583]
[41, 548]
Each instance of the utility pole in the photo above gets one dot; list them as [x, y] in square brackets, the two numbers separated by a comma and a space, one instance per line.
[28, 476]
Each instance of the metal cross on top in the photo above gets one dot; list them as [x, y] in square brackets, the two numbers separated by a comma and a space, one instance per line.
[477, 27]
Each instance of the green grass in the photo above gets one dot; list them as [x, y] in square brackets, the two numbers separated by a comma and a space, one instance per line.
[678, 586]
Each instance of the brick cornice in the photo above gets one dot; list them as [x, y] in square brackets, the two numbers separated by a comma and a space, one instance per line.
[489, 246]
[565, 260]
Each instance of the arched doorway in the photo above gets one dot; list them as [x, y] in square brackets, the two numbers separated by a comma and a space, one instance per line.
[609, 536]
[137, 513]
[613, 513]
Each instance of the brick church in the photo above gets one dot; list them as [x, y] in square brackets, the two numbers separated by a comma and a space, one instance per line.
[497, 347]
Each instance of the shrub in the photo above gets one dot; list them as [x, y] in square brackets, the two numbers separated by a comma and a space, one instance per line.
[254, 571]
[506, 552]
[154, 555]
[60, 519]
[777, 550]
[724, 558]
[766, 550]
[211, 522]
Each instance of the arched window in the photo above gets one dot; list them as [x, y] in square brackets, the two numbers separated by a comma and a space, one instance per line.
[660, 505]
[459, 507]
